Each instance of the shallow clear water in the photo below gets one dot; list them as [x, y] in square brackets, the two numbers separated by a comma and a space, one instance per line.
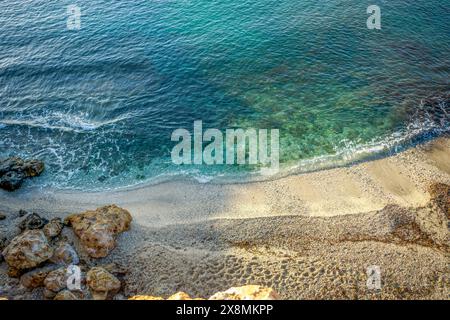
[99, 104]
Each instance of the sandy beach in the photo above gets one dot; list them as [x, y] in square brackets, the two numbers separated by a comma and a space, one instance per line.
[308, 236]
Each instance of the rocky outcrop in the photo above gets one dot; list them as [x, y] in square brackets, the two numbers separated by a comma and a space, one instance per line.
[98, 229]
[13, 171]
[28, 250]
[250, 292]
[102, 284]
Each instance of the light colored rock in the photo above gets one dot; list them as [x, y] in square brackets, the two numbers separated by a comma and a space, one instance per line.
[28, 250]
[65, 254]
[102, 283]
[53, 228]
[98, 229]
[65, 295]
[250, 292]
[145, 298]
[56, 280]
[180, 296]
[35, 278]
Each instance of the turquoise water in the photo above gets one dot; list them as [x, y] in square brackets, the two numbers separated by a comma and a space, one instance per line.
[99, 104]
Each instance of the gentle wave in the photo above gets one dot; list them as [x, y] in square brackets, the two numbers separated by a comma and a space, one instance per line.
[62, 122]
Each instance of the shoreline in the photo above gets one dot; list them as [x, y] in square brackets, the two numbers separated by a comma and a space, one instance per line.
[362, 187]
[309, 236]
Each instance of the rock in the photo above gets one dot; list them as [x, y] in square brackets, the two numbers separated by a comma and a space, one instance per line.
[22, 213]
[98, 229]
[3, 242]
[56, 280]
[14, 272]
[180, 296]
[35, 278]
[11, 181]
[53, 228]
[2, 216]
[32, 222]
[65, 295]
[49, 294]
[250, 292]
[13, 171]
[102, 283]
[28, 250]
[65, 254]
[145, 298]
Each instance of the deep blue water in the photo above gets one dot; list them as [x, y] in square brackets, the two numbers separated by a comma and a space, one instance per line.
[99, 104]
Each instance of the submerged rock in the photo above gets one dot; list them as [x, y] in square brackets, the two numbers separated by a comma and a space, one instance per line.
[98, 229]
[28, 250]
[2, 216]
[13, 171]
[102, 284]
[32, 222]
[250, 292]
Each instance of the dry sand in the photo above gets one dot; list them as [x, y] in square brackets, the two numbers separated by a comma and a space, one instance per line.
[308, 236]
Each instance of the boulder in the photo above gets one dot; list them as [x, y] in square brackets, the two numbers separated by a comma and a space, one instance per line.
[56, 280]
[250, 292]
[65, 295]
[35, 278]
[64, 254]
[14, 170]
[32, 222]
[2, 216]
[28, 250]
[103, 285]
[98, 229]
[53, 228]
